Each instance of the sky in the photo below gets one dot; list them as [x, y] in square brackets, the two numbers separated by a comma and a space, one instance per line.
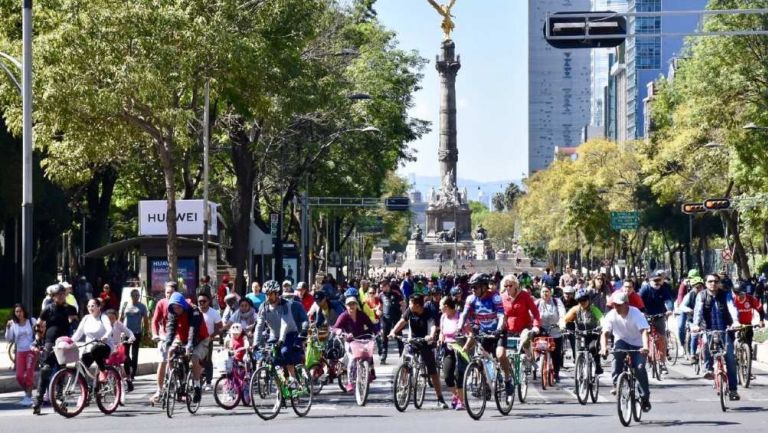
[491, 37]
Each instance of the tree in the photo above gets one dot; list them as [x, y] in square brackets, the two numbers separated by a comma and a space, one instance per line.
[498, 202]
[511, 194]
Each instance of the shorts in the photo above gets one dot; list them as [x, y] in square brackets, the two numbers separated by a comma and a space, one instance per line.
[200, 351]
[490, 344]
[428, 358]
[163, 350]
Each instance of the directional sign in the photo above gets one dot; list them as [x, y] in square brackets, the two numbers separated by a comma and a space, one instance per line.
[628, 220]
[371, 225]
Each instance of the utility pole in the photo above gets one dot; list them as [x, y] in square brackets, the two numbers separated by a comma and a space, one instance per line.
[206, 145]
[27, 242]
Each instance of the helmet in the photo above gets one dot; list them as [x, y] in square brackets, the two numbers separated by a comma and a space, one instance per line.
[456, 290]
[236, 329]
[569, 289]
[478, 279]
[231, 297]
[272, 286]
[319, 295]
[525, 280]
[351, 292]
[696, 280]
[581, 294]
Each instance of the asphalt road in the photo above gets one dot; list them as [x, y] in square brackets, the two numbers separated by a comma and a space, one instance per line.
[681, 402]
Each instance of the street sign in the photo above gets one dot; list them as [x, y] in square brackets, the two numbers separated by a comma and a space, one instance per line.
[371, 225]
[693, 208]
[568, 30]
[621, 263]
[382, 243]
[273, 220]
[628, 220]
[397, 203]
[726, 255]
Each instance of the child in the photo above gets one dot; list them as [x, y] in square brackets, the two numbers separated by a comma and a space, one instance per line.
[237, 341]
[118, 356]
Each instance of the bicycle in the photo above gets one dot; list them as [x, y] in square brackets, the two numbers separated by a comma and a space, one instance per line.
[698, 360]
[628, 393]
[520, 366]
[69, 390]
[743, 357]
[269, 387]
[404, 385]
[717, 351]
[542, 347]
[673, 345]
[655, 356]
[178, 383]
[362, 366]
[331, 365]
[232, 387]
[586, 381]
[116, 360]
[477, 379]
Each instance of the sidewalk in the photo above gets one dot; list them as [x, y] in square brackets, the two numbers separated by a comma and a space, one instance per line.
[148, 360]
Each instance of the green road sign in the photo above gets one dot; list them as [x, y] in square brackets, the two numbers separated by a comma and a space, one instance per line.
[628, 220]
[372, 225]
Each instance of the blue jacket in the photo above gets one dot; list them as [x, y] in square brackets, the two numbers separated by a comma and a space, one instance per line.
[657, 301]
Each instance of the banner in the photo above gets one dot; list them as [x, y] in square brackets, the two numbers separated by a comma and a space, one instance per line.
[189, 217]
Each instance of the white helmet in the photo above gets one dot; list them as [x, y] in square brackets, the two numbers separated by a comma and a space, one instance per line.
[236, 329]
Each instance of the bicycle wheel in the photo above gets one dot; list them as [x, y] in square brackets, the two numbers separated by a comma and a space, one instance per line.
[192, 405]
[744, 359]
[722, 389]
[504, 402]
[317, 374]
[475, 388]
[581, 378]
[301, 397]
[420, 387]
[673, 347]
[226, 393]
[544, 371]
[172, 389]
[265, 393]
[361, 382]
[625, 399]
[107, 391]
[68, 392]
[341, 374]
[245, 391]
[401, 388]
[594, 388]
[637, 406]
[697, 363]
[522, 386]
[12, 353]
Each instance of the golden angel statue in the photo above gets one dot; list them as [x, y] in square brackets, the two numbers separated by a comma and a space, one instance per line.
[445, 12]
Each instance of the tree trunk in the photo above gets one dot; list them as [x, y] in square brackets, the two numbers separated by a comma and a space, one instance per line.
[740, 257]
[245, 175]
[164, 148]
[98, 195]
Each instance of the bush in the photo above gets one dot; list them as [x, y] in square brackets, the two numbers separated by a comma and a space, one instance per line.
[5, 315]
[761, 335]
[763, 267]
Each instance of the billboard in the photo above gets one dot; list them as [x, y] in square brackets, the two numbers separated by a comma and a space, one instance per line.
[158, 274]
[189, 217]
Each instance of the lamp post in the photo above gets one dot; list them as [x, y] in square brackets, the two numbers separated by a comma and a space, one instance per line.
[26, 201]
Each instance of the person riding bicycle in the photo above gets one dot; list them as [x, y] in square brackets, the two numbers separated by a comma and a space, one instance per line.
[186, 325]
[586, 317]
[630, 332]
[159, 331]
[275, 314]
[686, 308]
[421, 324]
[354, 323]
[745, 305]
[713, 312]
[484, 311]
[658, 300]
[324, 312]
[552, 311]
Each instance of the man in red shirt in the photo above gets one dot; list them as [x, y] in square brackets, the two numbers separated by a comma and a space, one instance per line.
[745, 304]
[222, 291]
[186, 326]
[634, 298]
[303, 296]
[159, 320]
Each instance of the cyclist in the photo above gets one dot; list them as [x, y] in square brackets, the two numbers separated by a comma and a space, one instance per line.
[628, 287]
[630, 331]
[215, 325]
[686, 308]
[159, 322]
[456, 295]
[454, 361]
[745, 305]
[485, 309]
[586, 317]
[324, 312]
[657, 298]
[275, 314]
[354, 323]
[421, 324]
[186, 324]
[569, 301]
[391, 310]
[714, 312]
[551, 311]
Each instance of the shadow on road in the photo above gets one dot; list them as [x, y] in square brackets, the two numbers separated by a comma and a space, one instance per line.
[678, 423]
[340, 416]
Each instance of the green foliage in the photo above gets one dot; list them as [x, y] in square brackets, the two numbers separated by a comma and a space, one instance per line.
[480, 213]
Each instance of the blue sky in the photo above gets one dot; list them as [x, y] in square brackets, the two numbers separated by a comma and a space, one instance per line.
[491, 88]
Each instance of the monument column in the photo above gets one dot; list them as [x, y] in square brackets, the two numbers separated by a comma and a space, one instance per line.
[448, 65]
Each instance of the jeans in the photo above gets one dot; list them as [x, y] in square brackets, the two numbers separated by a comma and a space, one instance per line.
[387, 323]
[730, 359]
[638, 361]
[50, 365]
[131, 363]
[682, 320]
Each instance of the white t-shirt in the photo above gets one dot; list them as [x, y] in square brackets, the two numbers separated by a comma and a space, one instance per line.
[211, 317]
[628, 329]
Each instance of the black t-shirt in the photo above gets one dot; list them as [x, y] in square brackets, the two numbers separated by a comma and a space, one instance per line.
[419, 324]
[390, 304]
[56, 318]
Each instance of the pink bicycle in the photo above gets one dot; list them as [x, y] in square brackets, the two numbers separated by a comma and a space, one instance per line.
[234, 386]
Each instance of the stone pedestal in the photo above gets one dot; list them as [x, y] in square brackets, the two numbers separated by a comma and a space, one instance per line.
[445, 218]
[414, 250]
[481, 248]
[377, 257]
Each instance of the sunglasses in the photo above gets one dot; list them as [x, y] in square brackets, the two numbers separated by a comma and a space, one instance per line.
[509, 285]
[202, 301]
[713, 281]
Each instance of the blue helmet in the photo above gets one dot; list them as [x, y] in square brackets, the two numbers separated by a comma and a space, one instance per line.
[581, 294]
[351, 292]
[456, 290]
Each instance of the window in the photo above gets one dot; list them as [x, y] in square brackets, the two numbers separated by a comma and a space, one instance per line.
[649, 53]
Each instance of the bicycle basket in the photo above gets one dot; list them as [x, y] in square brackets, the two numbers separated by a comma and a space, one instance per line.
[362, 348]
[314, 353]
[66, 351]
[513, 343]
[544, 344]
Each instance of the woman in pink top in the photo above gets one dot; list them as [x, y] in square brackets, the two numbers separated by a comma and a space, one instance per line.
[454, 361]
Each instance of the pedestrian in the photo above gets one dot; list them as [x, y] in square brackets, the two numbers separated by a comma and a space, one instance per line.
[20, 330]
[214, 324]
[256, 297]
[135, 317]
[109, 299]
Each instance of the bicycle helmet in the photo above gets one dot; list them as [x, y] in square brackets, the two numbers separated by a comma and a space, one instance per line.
[351, 292]
[456, 290]
[478, 279]
[272, 286]
[236, 329]
[525, 280]
[569, 289]
[581, 294]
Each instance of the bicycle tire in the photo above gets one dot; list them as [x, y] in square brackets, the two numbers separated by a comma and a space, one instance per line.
[722, 389]
[504, 402]
[420, 387]
[475, 386]
[170, 397]
[594, 388]
[522, 386]
[111, 387]
[66, 383]
[12, 354]
[361, 382]
[674, 347]
[745, 364]
[637, 409]
[624, 399]
[401, 388]
[192, 406]
[226, 393]
[301, 398]
[697, 364]
[316, 372]
[544, 372]
[266, 395]
[341, 375]
[581, 378]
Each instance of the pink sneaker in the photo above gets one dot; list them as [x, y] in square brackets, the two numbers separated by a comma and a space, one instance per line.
[459, 405]
[454, 402]
[350, 387]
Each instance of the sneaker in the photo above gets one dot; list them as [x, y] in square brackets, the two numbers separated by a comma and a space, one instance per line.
[646, 405]
[508, 387]
[441, 404]
[459, 405]
[36, 408]
[26, 401]
[129, 386]
[598, 369]
[613, 390]
[663, 369]
[350, 387]
[454, 402]
[733, 396]
[383, 360]
[207, 387]
[709, 375]
[196, 394]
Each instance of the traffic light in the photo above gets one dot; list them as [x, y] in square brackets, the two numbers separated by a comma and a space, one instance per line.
[692, 208]
[717, 203]
[397, 203]
[569, 30]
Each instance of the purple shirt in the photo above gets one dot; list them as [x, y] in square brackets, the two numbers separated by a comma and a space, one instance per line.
[356, 328]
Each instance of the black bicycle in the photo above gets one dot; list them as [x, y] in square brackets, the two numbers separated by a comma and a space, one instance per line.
[587, 382]
[628, 393]
[178, 383]
[411, 376]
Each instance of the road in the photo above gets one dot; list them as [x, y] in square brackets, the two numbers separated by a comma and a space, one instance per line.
[681, 403]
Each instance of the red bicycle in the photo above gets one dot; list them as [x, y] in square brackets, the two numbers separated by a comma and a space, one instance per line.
[543, 346]
[656, 351]
[716, 342]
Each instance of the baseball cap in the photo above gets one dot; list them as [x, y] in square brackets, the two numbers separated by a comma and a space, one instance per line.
[696, 280]
[693, 273]
[301, 285]
[350, 300]
[66, 285]
[287, 283]
[569, 289]
[619, 298]
[658, 274]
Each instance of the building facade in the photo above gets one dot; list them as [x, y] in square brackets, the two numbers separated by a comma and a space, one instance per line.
[558, 87]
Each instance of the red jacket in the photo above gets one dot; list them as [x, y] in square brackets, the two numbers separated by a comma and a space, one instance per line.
[520, 312]
[746, 308]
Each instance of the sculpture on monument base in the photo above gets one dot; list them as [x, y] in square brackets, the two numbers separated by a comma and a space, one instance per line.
[480, 233]
[418, 234]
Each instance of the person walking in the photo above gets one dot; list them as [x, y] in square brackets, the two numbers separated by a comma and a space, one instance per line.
[20, 330]
[135, 317]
